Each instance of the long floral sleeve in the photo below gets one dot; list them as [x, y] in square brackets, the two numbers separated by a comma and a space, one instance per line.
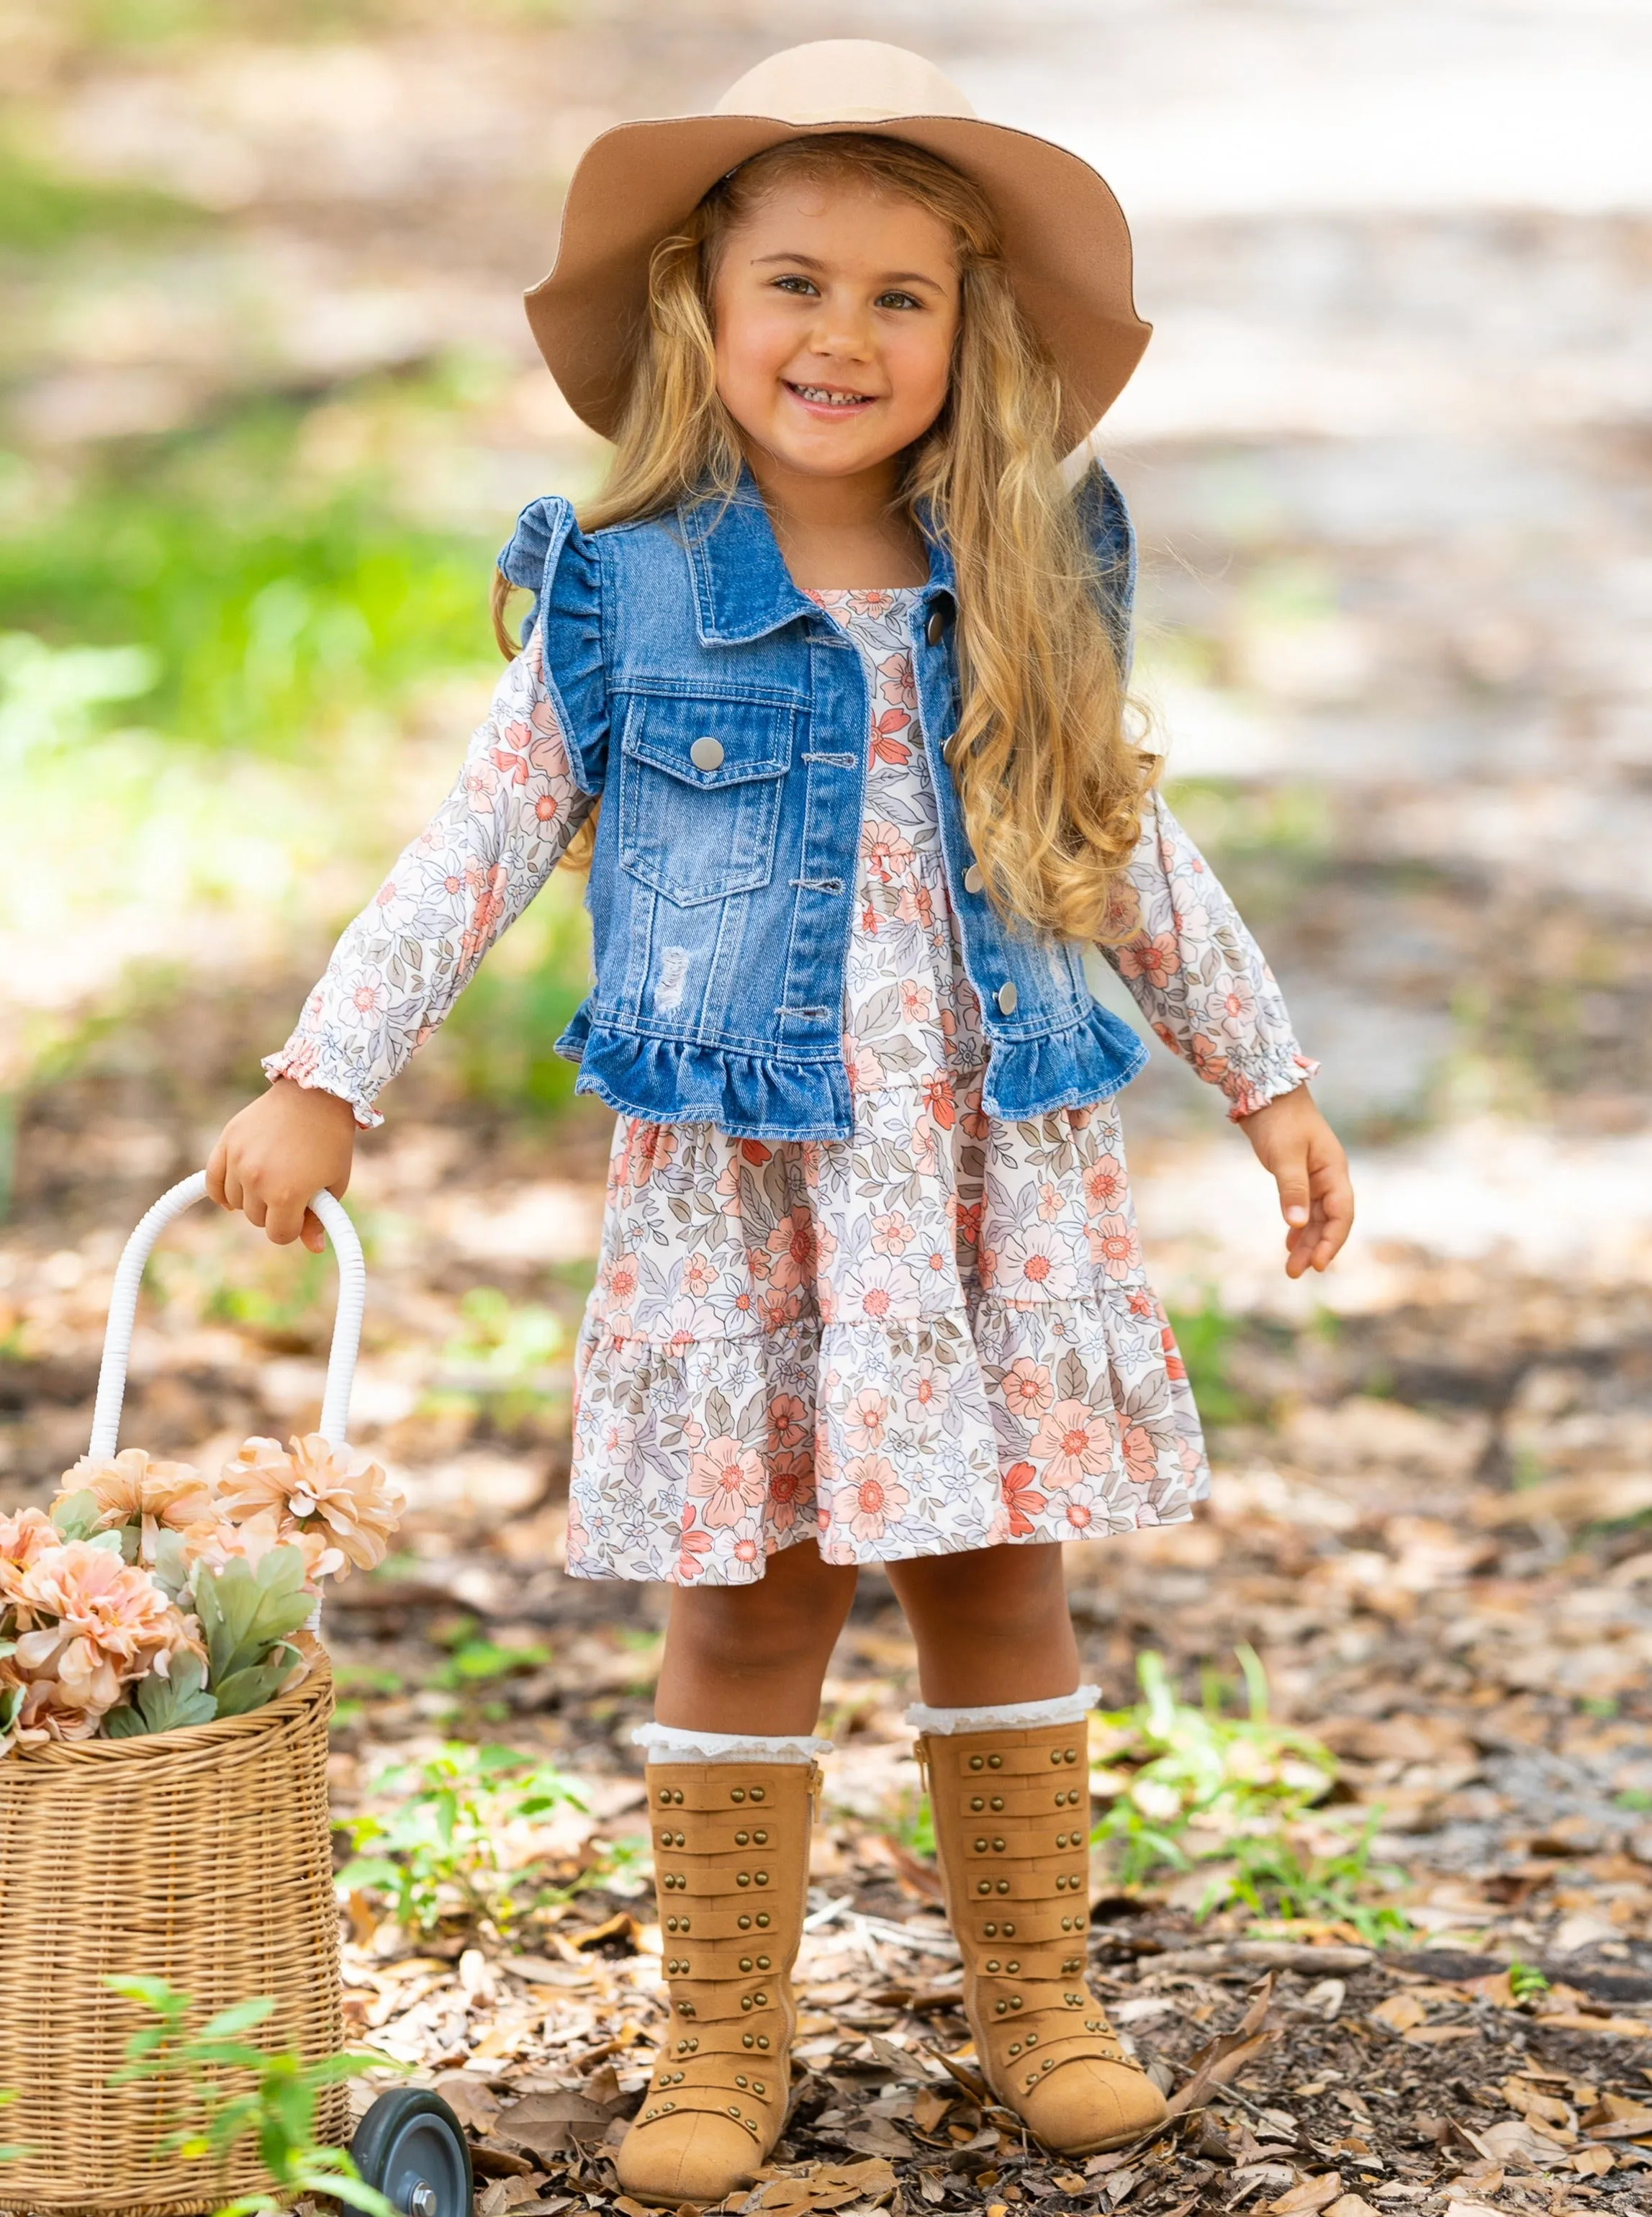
[469, 875]
[1199, 978]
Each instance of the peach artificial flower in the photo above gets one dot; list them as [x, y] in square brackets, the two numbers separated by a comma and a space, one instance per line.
[335, 1493]
[47, 1713]
[92, 1622]
[218, 1543]
[132, 1488]
[23, 1539]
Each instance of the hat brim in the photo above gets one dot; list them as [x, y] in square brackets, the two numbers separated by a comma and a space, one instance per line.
[1065, 241]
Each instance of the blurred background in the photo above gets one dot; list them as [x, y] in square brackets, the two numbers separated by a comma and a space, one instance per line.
[267, 407]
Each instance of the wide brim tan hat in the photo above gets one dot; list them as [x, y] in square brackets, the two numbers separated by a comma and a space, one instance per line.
[1064, 237]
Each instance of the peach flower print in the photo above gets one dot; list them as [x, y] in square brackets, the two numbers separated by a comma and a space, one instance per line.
[1115, 1247]
[729, 1478]
[790, 1483]
[865, 1417]
[789, 1421]
[1105, 1184]
[1026, 1387]
[1074, 1442]
[870, 1495]
[892, 1234]
[1155, 961]
[886, 851]
[1141, 1453]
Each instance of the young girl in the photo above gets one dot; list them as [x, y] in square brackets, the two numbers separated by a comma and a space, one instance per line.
[828, 682]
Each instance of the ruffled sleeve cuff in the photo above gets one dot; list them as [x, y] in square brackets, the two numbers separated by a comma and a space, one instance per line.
[1253, 1086]
[319, 1066]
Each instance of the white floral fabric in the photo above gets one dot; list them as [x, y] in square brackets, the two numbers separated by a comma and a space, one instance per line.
[935, 1334]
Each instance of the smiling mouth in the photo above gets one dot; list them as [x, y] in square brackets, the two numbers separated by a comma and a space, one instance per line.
[828, 395]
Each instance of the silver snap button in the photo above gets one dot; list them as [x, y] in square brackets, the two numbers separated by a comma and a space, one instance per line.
[706, 754]
[1007, 997]
[973, 880]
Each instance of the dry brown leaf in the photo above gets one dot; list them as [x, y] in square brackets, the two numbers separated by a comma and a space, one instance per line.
[623, 1923]
[830, 2186]
[1350, 2205]
[1614, 2028]
[1622, 2121]
[545, 2125]
[474, 2104]
[1531, 2102]
[1436, 2035]
[1309, 2195]
[1221, 2059]
[1400, 2011]
[1592, 2162]
[1514, 2140]
[901, 2060]
[928, 2107]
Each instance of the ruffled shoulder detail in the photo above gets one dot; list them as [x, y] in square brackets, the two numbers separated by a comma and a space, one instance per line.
[550, 557]
[1071, 1069]
[750, 1096]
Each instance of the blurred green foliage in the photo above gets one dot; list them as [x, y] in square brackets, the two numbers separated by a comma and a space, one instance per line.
[42, 212]
[271, 611]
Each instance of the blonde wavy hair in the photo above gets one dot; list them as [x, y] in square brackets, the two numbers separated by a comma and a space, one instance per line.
[1050, 781]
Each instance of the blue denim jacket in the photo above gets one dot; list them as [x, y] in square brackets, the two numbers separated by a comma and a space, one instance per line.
[724, 719]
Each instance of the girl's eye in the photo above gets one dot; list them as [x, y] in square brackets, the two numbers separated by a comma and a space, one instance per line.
[898, 301]
[794, 285]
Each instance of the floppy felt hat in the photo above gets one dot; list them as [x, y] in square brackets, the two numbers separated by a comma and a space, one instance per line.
[1065, 240]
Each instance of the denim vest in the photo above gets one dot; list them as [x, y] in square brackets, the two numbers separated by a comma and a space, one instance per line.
[724, 719]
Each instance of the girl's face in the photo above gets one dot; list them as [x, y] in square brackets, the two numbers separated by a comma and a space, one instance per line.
[835, 311]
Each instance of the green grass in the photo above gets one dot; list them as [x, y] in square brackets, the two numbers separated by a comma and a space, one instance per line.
[1194, 1786]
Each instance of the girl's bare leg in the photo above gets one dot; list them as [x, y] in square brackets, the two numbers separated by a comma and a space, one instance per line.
[752, 1658]
[992, 1625]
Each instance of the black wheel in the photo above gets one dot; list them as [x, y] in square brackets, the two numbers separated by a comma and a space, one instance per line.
[411, 2146]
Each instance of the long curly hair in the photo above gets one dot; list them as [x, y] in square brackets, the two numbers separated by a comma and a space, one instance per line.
[1050, 781]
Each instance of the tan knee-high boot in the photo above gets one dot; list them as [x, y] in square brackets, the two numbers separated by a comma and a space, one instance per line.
[730, 1864]
[1012, 1828]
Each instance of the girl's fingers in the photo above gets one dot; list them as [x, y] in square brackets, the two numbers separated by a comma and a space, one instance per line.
[233, 1195]
[314, 1234]
[1296, 1196]
[284, 1222]
[215, 1163]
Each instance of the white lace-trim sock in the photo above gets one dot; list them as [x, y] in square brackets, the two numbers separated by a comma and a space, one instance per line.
[673, 1743]
[1010, 1716]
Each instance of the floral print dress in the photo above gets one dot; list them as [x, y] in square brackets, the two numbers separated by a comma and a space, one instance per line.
[936, 1334]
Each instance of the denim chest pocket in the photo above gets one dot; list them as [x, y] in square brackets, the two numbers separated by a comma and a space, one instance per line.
[700, 782]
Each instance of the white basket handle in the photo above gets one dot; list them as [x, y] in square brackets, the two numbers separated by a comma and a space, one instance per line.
[123, 1310]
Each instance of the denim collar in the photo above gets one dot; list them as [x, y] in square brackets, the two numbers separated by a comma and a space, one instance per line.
[742, 587]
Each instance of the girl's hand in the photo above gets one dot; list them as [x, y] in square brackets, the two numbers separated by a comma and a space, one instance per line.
[1304, 1156]
[290, 1143]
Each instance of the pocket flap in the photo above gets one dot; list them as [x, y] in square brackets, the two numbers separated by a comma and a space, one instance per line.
[708, 742]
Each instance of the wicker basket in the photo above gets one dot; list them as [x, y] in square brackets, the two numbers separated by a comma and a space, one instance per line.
[202, 1856]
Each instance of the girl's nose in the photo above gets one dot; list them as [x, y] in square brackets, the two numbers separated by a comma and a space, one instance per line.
[841, 333]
